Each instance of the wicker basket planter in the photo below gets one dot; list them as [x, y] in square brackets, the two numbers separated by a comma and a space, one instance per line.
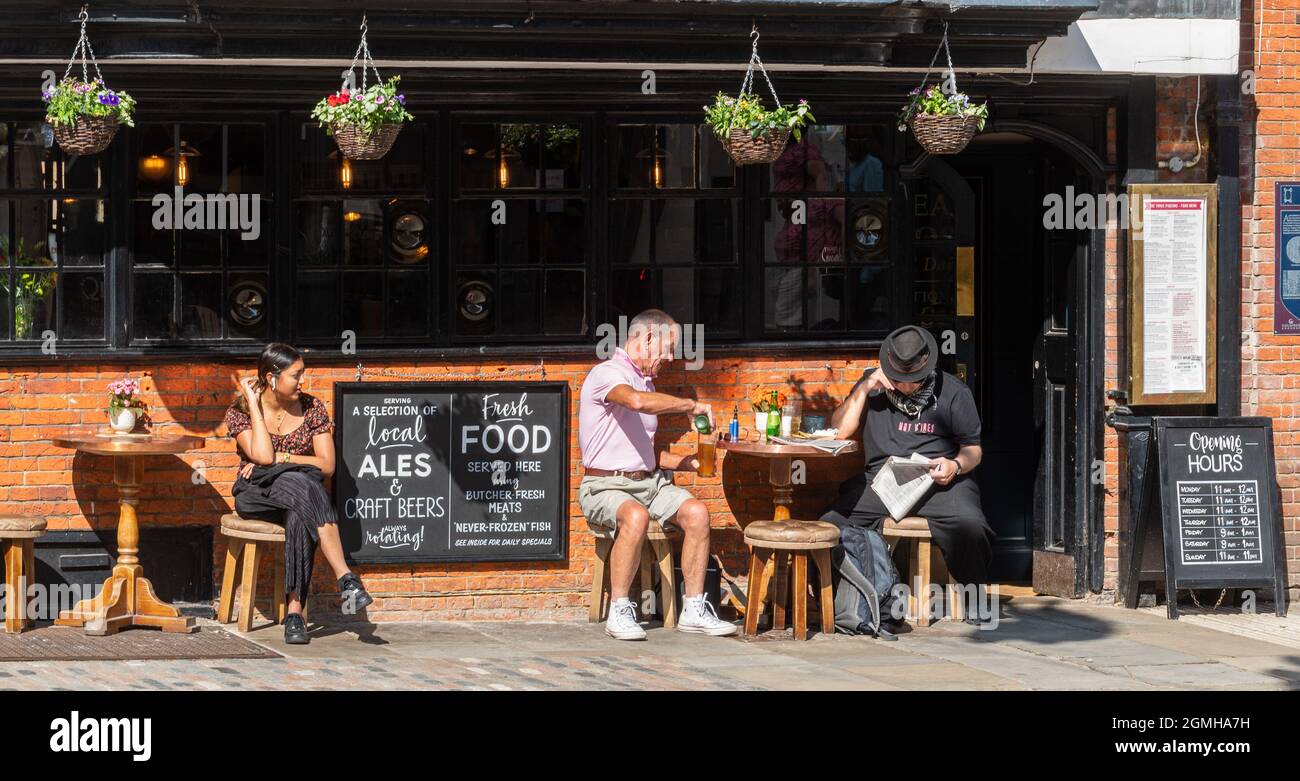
[356, 145]
[944, 135]
[744, 149]
[86, 136]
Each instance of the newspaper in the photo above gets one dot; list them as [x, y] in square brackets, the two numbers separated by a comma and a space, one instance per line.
[901, 483]
[832, 446]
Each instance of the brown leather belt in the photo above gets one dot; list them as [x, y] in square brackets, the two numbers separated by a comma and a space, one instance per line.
[639, 474]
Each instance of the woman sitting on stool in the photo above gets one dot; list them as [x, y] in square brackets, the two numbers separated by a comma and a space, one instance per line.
[286, 451]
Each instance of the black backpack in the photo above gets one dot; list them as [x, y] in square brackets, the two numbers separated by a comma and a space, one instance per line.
[864, 577]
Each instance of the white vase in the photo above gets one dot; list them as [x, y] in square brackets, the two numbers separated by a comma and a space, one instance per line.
[123, 421]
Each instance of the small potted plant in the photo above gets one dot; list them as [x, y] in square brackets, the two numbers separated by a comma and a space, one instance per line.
[85, 115]
[365, 123]
[125, 408]
[942, 123]
[751, 133]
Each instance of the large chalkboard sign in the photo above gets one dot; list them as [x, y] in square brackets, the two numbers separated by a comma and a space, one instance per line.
[1219, 506]
[433, 471]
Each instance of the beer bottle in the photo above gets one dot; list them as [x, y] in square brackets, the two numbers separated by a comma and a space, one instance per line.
[774, 417]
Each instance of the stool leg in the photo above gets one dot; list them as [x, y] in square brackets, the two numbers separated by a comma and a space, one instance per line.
[646, 601]
[234, 554]
[780, 576]
[247, 587]
[800, 600]
[14, 612]
[923, 581]
[754, 601]
[279, 604]
[29, 572]
[822, 558]
[599, 581]
[667, 582]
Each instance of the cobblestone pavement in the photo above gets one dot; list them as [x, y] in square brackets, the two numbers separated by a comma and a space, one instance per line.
[1041, 643]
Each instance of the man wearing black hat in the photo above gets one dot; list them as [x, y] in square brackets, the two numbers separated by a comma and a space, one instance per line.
[911, 406]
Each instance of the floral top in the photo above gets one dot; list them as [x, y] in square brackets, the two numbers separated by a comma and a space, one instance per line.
[315, 420]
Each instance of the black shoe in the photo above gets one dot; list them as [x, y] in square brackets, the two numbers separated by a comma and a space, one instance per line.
[295, 630]
[976, 619]
[353, 593]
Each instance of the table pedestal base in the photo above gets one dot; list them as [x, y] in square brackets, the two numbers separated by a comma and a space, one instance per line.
[127, 600]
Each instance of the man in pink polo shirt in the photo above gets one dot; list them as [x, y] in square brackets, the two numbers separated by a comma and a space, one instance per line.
[625, 485]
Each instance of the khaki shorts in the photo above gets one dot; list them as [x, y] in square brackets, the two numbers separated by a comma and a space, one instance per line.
[600, 497]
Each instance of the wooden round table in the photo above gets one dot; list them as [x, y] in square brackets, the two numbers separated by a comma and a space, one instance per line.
[127, 599]
[779, 458]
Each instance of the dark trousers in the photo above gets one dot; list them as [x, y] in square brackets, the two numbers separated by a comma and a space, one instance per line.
[309, 508]
[957, 523]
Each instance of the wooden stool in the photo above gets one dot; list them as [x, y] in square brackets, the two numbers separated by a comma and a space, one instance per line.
[926, 563]
[18, 535]
[774, 540]
[246, 539]
[657, 551]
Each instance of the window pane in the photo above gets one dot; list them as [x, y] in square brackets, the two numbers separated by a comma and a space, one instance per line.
[408, 303]
[155, 158]
[198, 248]
[819, 239]
[410, 232]
[363, 303]
[247, 310]
[34, 306]
[251, 250]
[631, 292]
[521, 151]
[933, 216]
[151, 311]
[363, 233]
[719, 299]
[677, 153]
[199, 158]
[565, 301]
[6, 325]
[633, 155]
[783, 289]
[826, 295]
[81, 236]
[563, 228]
[869, 229]
[716, 168]
[478, 157]
[318, 233]
[4, 155]
[324, 169]
[815, 164]
[33, 234]
[245, 167]
[151, 245]
[550, 228]
[718, 242]
[404, 163]
[475, 303]
[629, 231]
[674, 231]
[870, 299]
[865, 153]
[39, 164]
[520, 303]
[316, 305]
[200, 306]
[83, 305]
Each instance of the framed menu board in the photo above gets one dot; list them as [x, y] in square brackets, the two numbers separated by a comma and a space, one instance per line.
[1173, 254]
[432, 471]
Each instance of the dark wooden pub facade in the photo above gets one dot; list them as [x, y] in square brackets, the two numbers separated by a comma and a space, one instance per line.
[585, 118]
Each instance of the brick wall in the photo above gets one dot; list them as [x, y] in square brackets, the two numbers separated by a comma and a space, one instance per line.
[76, 492]
[1270, 151]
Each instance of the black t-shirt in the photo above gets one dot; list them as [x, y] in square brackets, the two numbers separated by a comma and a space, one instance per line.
[944, 426]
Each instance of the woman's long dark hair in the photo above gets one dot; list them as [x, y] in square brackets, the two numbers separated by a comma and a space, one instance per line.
[275, 358]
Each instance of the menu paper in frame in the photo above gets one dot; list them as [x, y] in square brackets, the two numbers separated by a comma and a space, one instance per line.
[1286, 259]
[1172, 262]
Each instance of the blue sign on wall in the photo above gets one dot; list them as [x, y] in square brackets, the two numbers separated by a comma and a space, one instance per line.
[1286, 258]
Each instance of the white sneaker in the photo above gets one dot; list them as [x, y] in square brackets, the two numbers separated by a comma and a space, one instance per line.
[698, 616]
[621, 624]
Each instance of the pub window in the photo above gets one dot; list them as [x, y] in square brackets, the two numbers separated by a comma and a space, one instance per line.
[934, 258]
[53, 238]
[674, 226]
[201, 233]
[520, 226]
[826, 235]
[363, 241]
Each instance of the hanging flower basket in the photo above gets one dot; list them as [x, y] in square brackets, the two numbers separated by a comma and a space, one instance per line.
[943, 122]
[85, 114]
[944, 135]
[751, 134]
[364, 122]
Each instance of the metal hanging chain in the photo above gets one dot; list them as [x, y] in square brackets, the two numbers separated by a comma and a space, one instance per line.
[363, 54]
[1222, 593]
[82, 48]
[479, 376]
[747, 83]
[944, 45]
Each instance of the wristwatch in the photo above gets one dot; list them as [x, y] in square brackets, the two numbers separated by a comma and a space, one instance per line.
[958, 465]
[284, 459]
